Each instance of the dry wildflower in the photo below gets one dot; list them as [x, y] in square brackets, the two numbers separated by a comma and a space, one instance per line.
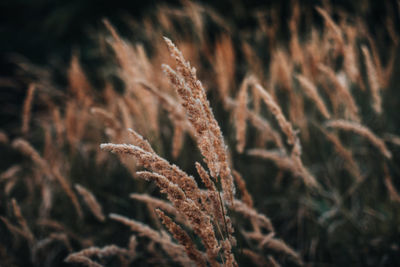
[47, 200]
[228, 255]
[345, 153]
[107, 117]
[68, 190]
[259, 123]
[201, 211]
[59, 126]
[153, 215]
[183, 238]
[350, 63]
[136, 226]
[158, 203]
[241, 116]
[331, 25]
[63, 237]
[342, 90]
[388, 70]
[350, 55]
[23, 228]
[373, 80]
[199, 221]
[241, 184]
[59, 227]
[21, 221]
[391, 29]
[295, 48]
[253, 60]
[170, 104]
[393, 194]
[273, 262]
[125, 114]
[3, 138]
[197, 117]
[280, 159]
[314, 54]
[311, 91]
[279, 246]
[25, 148]
[132, 246]
[284, 69]
[292, 164]
[251, 213]
[47, 242]
[159, 165]
[308, 178]
[91, 202]
[297, 113]
[277, 112]
[256, 100]
[333, 95]
[209, 137]
[224, 65]
[134, 64]
[362, 131]
[266, 130]
[9, 186]
[379, 70]
[256, 259]
[259, 237]
[14, 229]
[71, 122]
[176, 252]
[217, 210]
[217, 207]
[268, 28]
[48, 150]
[177, 116]
[76, 119]
[394, 139]
[140, 141]
[78, 83]
[131, 113]
[107, 251]
[10, 172]
[74, 258]
[26, 113]
[177, 140]
[205, 177]
[164, 19]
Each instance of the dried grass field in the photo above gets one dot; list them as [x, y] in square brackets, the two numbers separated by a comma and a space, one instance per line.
[193, 141]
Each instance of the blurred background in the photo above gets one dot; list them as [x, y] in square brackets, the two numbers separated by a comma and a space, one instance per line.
[46, 33]
[38, 40]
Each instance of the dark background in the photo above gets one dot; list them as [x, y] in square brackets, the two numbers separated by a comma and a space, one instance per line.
[44, 29]
[46, 32]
